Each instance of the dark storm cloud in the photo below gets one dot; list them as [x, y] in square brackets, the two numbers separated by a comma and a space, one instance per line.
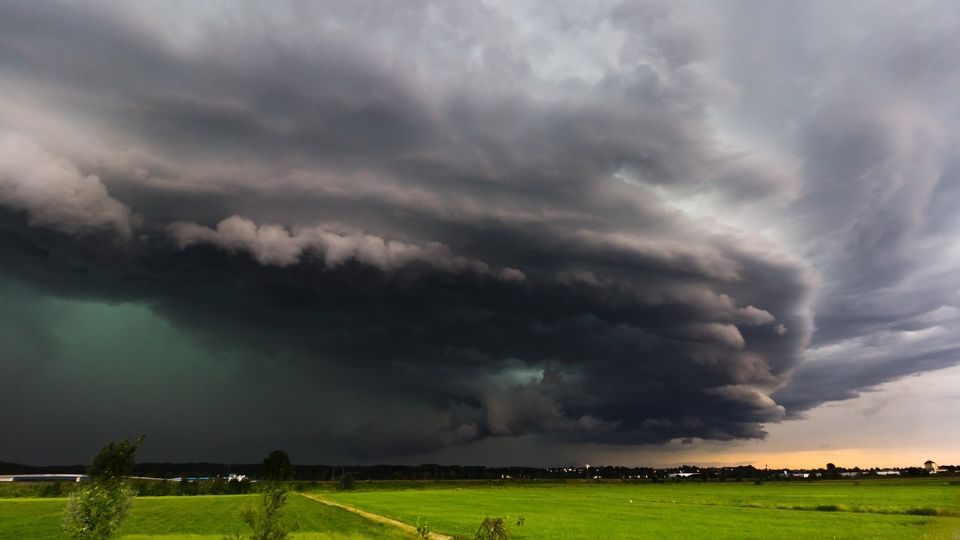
[463, 219]
[500, 356]
[868, 90]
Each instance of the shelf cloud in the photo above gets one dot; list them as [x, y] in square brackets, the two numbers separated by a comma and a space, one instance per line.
[621, 224]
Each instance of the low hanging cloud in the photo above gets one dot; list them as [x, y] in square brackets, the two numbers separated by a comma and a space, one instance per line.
[53, 193]
[480, 232]
[274, 245]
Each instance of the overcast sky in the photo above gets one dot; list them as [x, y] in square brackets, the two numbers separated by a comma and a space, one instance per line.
[481, 232]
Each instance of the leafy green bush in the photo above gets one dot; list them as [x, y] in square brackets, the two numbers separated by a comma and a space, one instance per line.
[267, 519]
[493, 529]
[423, 529]
[96, 511]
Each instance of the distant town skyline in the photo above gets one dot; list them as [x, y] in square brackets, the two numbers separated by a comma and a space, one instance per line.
[497, 232]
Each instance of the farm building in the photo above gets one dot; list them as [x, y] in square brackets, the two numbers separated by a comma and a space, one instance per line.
[931, 467]
[43, 478]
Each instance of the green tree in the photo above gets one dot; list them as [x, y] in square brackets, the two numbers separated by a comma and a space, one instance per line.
[115, 461]
[276, 467]
[96, 511]
[346, 482]
[267, 519]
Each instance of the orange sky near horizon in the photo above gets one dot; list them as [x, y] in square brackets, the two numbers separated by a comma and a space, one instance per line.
[901, 423]
[864, 458]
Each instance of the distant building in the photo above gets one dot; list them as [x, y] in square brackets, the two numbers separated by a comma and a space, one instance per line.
[888, 473]
[931, 467]
[44, 478]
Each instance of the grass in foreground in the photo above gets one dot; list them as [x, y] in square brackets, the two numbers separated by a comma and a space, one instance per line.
[190, 518]
[690, 510]
[924, 508]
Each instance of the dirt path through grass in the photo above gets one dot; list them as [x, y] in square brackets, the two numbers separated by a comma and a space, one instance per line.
[374, 517]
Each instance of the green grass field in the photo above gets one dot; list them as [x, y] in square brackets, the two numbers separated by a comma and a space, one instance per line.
[869, 509]
[921, 508]
[190, 518]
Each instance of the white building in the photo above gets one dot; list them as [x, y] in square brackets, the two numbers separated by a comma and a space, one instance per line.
[43, 478]
[931, 467]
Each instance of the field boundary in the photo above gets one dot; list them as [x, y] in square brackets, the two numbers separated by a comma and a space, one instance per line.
[373, 517]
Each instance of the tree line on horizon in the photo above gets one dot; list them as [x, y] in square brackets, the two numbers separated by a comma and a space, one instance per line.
[332, 473]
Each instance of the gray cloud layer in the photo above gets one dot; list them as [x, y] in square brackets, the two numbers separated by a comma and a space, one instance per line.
[613, 224]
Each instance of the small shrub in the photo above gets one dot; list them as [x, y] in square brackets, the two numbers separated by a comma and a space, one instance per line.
[423, 529]
[96, 512]
[493, 529]
[267, 519]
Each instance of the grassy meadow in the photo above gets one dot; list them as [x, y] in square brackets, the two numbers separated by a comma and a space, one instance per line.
[190, 518]
[908, 508]
[924, 508]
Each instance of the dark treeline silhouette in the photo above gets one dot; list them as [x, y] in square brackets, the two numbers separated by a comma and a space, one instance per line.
[360, 473]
